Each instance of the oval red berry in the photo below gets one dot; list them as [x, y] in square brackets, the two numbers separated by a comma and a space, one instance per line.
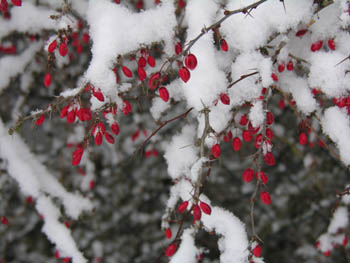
[164, 94]
[184, 74]
[191, 61]
[236, 144]
[216, 150]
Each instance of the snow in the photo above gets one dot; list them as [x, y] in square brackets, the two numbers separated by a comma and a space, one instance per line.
[37, 15]
[256, 114]
[249, 88]
[326, 75]
[335, 123]
[11, 66]
[340, 220]
[57, 232]
[233, 243]
[202, 88]
[253, 32]
[181, 153]
[298, 87]
[34, 178]
[119, 31]
[186, 253]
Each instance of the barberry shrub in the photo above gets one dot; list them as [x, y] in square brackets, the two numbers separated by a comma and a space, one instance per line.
[174, 131]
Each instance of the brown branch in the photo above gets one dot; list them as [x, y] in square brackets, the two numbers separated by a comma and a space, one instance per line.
[242, 78]
[227, 14]
[182, 115]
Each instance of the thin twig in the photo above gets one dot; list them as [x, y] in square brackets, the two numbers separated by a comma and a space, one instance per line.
[182, 115]
[243, 10]
[242, 78]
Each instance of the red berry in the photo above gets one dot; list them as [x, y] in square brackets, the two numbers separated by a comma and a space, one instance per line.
[178, 48]
[258, 141]
[66, 260]
[290, 65]
[205, 208]
[345, 240]
[331, 44]
[47, 80]
[139, 4]
[281, 104]
[223, 45]
[4, 221]
[236, 144]
[63, 49]
[274, 77]
[228, 137]
[155, 153]
[168, 233]
[252, 129]
[171, 249]
[142, 62]
[98, 138]
[117, 1]
[269, 159]
[163, 93]
[92, 184]
[86, 38]
[153, 81]
[225, 99]
[247, 135]
[16, 2]
[197, 214]
[109, 138]
[327, 253]
[29, 199]
[71, 116]
[181, 3]
[98, 95]
[151, 61]
[263, 177]
[184, 74]
[84, 114]
[141, 73]
[216, 150]
[280, 68]
[303, 138]
[316, 46]
[191, 61]
[127, 72]
[115, 128]
[64, 111]
[269, 133]
[41, 119]
[265, 197]
[126, 107]
[52, 46]
[182, 207]
[301, 32]
[244, 120]
[269, 118]
[257, 251]
[135, 135]
[248, 175]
